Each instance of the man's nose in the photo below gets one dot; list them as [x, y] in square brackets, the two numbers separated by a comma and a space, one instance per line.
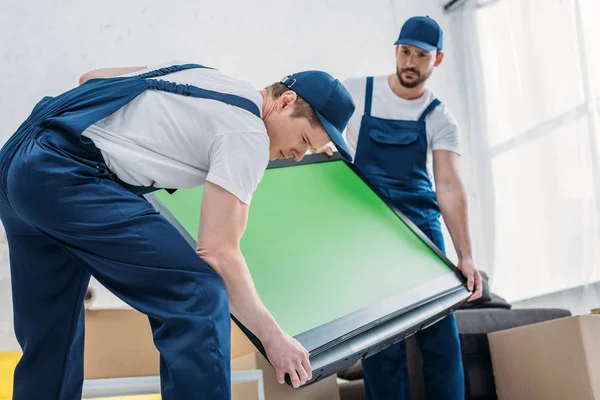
[298, 156]
[300, 151]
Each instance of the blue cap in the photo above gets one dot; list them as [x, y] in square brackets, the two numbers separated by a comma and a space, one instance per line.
[330, 100]
[421, 32]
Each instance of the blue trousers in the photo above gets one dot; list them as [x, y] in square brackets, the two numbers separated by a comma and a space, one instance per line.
[386, 373]
[66, 219]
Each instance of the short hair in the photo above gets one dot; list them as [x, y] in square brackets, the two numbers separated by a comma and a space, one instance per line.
[301, 109]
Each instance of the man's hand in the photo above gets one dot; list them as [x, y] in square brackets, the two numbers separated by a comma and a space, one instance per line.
[108, 73]
[287, 355]
[325, 149]
[473, 278]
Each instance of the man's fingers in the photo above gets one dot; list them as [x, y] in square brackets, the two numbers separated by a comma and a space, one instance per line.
[478, 288]
[306, 363]
[475, 295]
[325, 149]
[302, 374]
[469, 273]
[293, 377]
[307, 368]
[470, 282]
[280, 372]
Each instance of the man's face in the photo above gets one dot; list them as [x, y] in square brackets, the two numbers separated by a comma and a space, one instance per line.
[414, 65]
[292, 137]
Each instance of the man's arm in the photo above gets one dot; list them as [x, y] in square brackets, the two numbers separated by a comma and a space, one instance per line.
[108, 73]
[452, 198]
[222, 224]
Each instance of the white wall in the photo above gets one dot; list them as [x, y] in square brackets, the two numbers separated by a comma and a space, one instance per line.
[47, 44]
[579, 300]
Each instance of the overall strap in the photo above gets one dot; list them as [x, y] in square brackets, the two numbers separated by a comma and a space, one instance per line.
[189, 90]
[368, 95]
[169, 70]
[429, 109]
[141, 190]
[84, 105]
[193, 91]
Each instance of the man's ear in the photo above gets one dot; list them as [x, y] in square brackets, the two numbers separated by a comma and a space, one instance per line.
[288, 98]
[439, 58]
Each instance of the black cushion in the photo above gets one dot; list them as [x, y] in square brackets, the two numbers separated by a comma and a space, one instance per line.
[496, 319]
[487, 299]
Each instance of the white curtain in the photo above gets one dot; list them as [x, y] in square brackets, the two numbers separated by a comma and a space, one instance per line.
[531, 75]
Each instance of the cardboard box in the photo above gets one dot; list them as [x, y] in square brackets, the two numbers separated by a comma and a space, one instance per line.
[326, 389]
[558, 359]
[118, 343]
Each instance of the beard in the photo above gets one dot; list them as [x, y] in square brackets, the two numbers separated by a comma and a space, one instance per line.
[413, 83]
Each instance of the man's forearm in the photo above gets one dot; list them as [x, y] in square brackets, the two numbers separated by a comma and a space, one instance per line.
[108, 73]
[452, 199]
[244, 301]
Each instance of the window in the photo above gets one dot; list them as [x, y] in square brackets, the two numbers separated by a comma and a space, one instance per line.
[541, 142]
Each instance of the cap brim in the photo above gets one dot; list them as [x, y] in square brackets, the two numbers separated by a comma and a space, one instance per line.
[417, 43]
[336, 137]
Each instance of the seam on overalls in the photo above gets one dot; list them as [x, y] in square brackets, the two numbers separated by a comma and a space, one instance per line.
[72, 328]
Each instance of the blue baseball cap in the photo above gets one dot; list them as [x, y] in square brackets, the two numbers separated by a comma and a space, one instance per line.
[421, 32]
[330, 100]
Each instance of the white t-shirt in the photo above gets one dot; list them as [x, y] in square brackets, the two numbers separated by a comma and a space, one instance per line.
[442, 129]
[173, 141]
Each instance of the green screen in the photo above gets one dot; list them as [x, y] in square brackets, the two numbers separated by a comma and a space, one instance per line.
[321, 244]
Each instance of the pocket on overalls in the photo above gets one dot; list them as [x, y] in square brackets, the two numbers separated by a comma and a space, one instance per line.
[390, 153]
[394, 138]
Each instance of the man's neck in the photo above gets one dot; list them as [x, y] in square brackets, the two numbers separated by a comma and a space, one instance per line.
[267, 105]
[404, 92]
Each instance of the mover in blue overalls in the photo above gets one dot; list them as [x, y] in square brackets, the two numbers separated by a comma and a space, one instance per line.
[70, 185]
[403, 127]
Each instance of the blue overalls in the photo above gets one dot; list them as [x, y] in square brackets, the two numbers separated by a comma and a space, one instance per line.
[393, 156]
[67, 216]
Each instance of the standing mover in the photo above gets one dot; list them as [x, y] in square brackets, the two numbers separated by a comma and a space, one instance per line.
[70, 185]
[403, 130]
